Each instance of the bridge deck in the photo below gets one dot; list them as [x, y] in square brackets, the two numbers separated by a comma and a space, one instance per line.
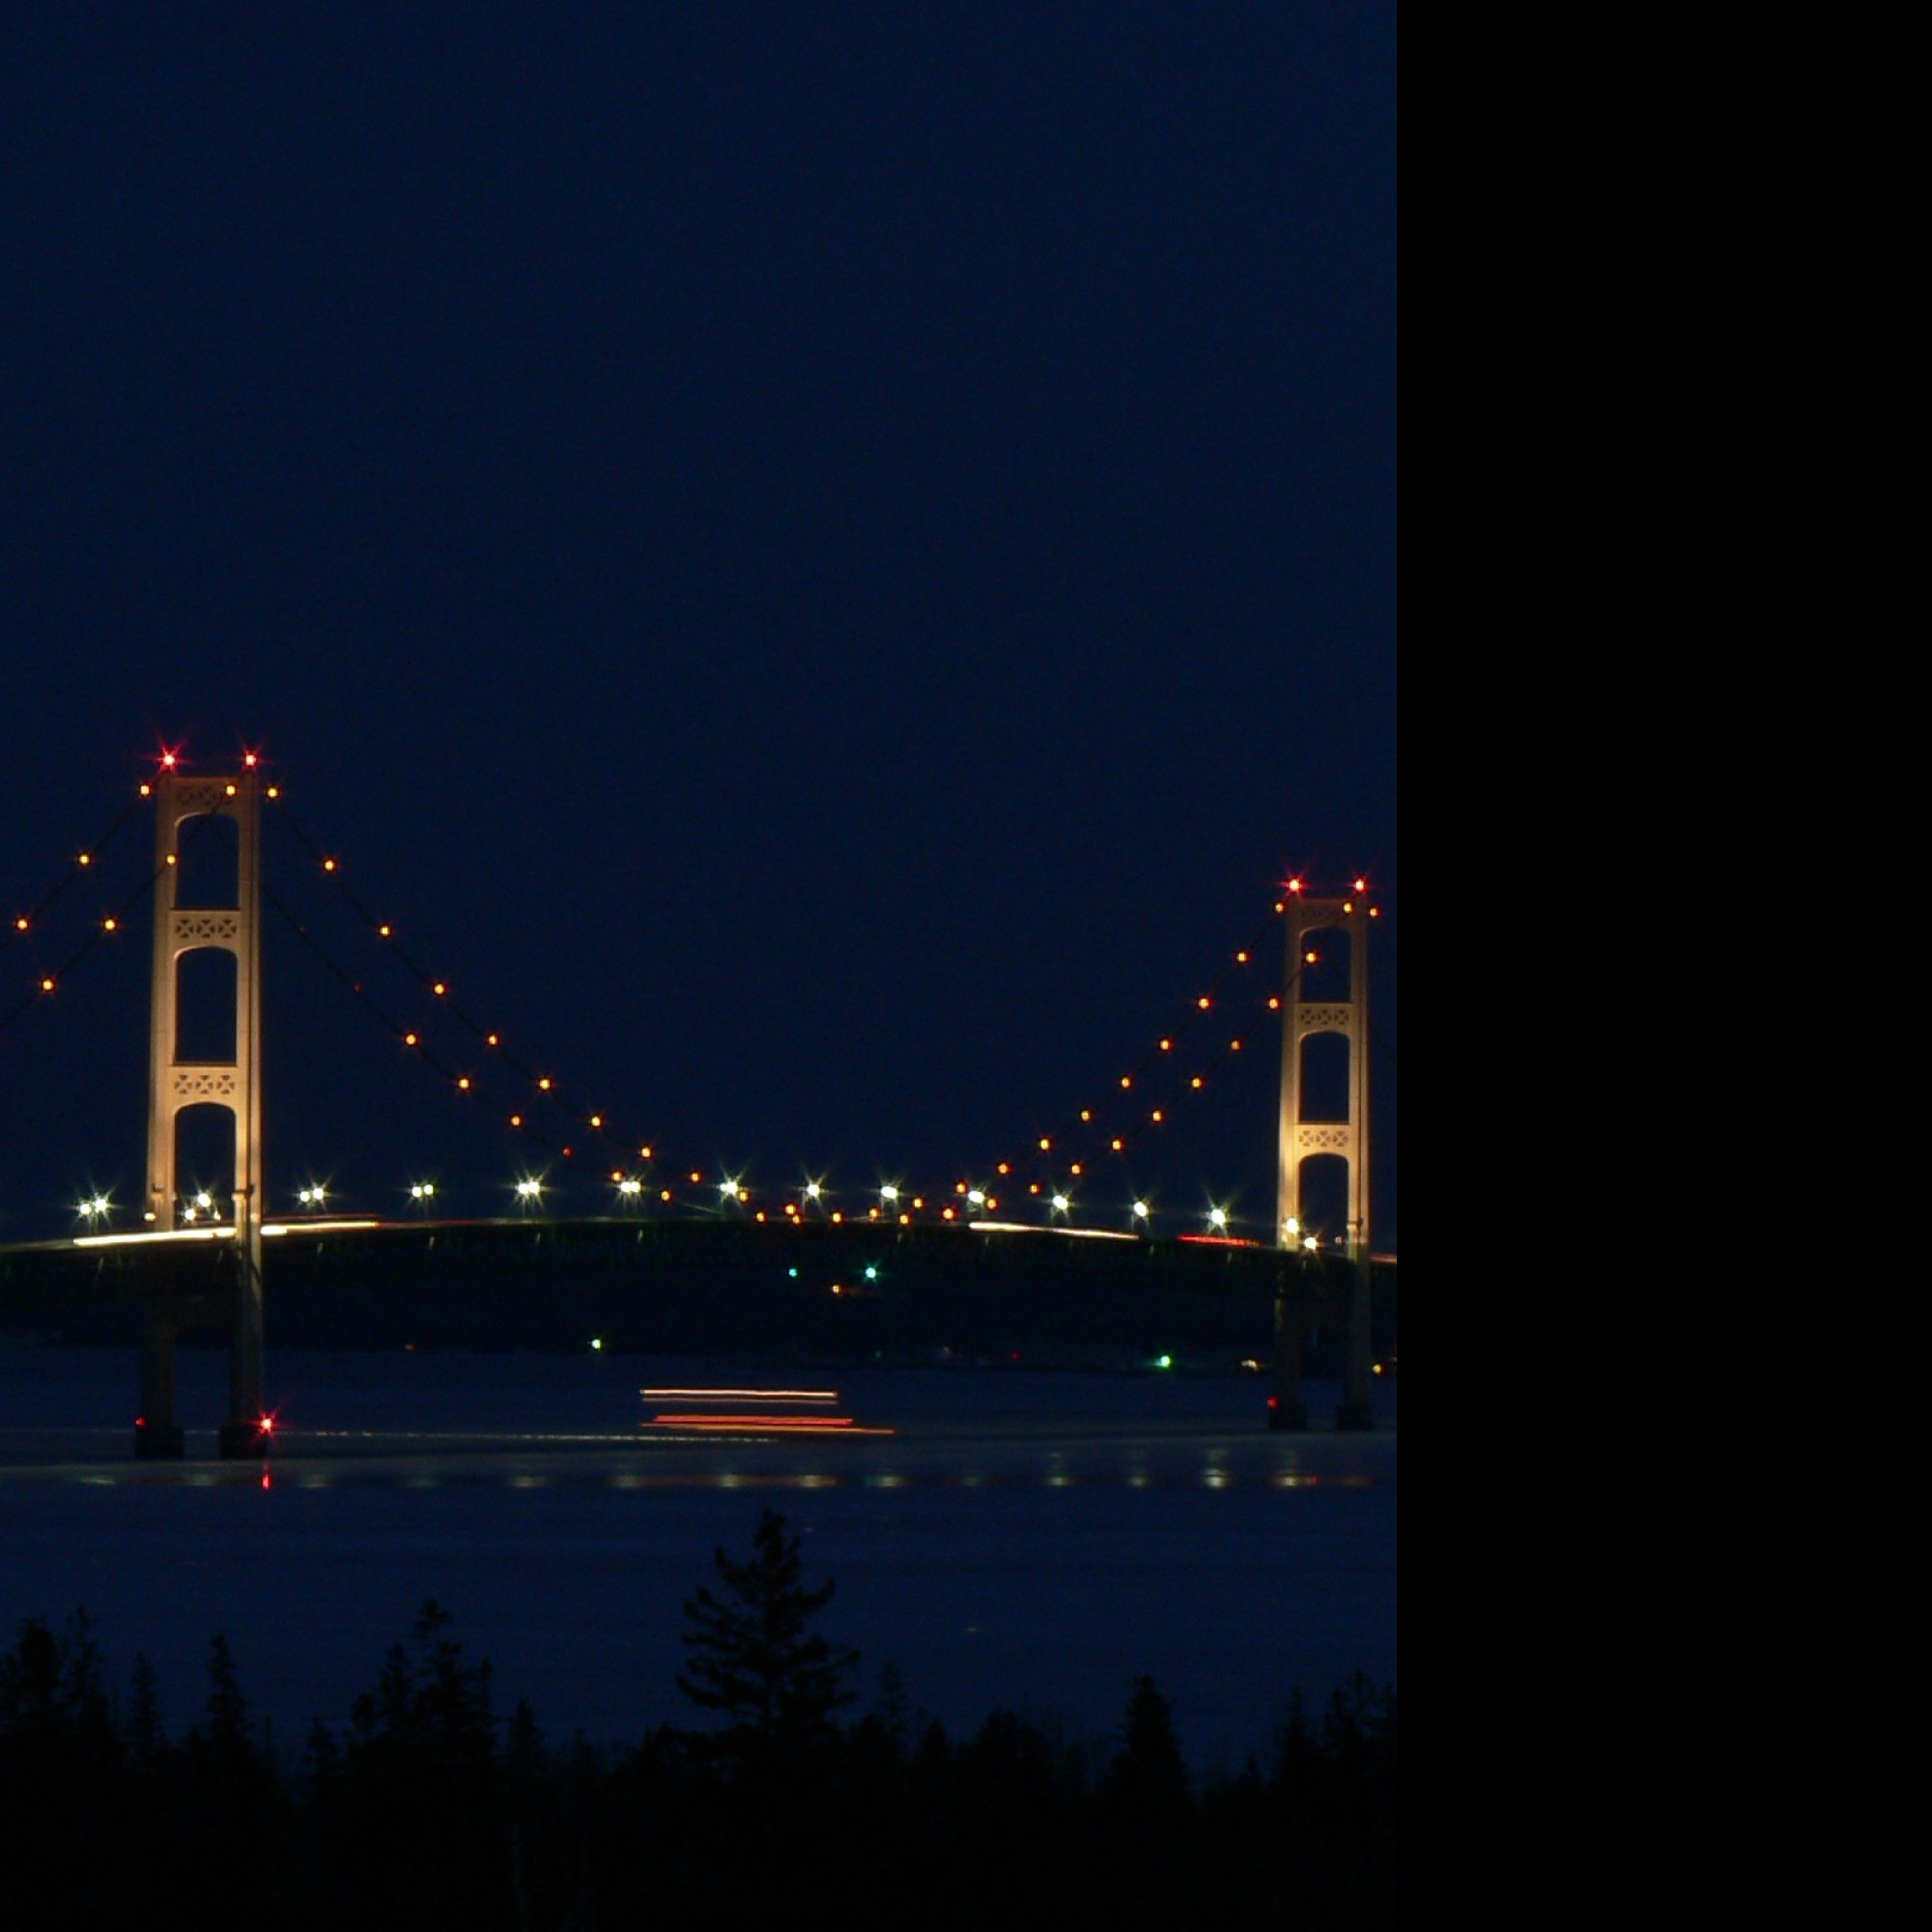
[853, 1288]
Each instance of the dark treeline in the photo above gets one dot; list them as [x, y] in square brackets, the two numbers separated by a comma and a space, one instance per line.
[429, 1810]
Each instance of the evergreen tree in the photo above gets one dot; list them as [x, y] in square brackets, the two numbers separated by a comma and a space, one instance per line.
[751, 1655]
[227, 1734]
[1149, 1774]
[147, 1734]
[30, 1682]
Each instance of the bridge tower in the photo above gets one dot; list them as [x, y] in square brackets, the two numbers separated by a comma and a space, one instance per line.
[1303, 1140]
[234, 1083]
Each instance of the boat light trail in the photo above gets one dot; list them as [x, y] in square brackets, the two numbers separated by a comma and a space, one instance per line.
[738, 1395]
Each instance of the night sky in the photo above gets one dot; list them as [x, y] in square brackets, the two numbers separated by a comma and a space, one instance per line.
[819, 563]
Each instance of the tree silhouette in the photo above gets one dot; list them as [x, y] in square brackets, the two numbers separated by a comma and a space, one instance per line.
[1148, 1775]
[751, 1656]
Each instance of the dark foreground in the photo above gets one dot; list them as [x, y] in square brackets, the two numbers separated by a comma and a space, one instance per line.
[429, 1810]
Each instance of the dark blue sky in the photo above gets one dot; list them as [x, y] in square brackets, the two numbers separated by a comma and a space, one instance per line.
[819, 562]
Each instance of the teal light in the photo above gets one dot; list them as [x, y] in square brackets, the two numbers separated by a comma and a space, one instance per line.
[1163, 1361]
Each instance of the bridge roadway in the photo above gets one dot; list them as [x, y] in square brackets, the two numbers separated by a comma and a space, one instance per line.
[854, 1287]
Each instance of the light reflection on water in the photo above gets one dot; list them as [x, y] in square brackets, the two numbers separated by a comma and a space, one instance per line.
[1084, 1449]
[484, 1471]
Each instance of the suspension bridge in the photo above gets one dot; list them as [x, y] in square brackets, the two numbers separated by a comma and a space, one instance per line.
[808, 1266]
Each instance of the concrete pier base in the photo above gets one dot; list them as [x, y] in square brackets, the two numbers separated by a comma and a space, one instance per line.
[1286, 1409]
[158, 1441]
[158, 1436]
[1357, 1411]
[244, 1441]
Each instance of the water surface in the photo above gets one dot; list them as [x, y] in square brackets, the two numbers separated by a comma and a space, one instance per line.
[1033, 1539]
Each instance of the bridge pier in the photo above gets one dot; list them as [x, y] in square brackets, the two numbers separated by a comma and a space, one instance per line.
[245, 1434]
[157, 1431]
[1357, 1411]
[1286, 1409]
[157, 1434]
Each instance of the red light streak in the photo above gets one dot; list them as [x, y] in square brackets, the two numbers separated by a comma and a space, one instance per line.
[750, 1419]
[738, 1395]
[770, 1425]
